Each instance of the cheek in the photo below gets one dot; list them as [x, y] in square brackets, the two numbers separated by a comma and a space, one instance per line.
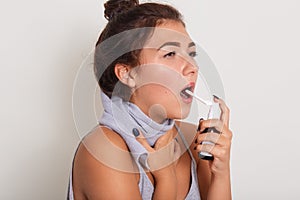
[157, 94]
[161, 75]
[171, 102]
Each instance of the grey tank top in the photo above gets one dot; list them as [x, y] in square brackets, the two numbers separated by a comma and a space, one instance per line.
[145, 185]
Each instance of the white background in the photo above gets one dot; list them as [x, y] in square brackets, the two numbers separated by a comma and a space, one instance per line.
[254, 44]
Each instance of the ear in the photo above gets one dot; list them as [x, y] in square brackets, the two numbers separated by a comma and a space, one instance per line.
[123, 73]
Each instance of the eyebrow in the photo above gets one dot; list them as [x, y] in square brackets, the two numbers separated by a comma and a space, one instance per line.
[177, 44]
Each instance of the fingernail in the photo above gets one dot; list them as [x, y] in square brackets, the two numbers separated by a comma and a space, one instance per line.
[216, 97]
[135, 132]
[198, 129]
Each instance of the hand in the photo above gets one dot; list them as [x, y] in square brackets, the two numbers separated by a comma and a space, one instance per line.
[163, 156]
[222, 142]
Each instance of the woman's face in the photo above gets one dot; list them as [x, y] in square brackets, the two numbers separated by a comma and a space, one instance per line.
[167, 69]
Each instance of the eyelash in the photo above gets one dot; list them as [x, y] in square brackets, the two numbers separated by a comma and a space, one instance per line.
[170, 54]
[173, 53]
[193, 54]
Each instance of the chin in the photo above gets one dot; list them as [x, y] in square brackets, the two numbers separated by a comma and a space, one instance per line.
[185, 115]
[182, 114]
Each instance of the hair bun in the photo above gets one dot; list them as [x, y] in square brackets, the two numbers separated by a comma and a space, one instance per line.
[115, 7]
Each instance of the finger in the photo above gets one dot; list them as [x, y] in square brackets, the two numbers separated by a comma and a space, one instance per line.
[218, 139]
[217, 151]
[199, 125]
[164, 156]
[218, 124]
[163, 140]
[220, 152]
[141, 139]
[225, 112]
[211, 137]
[205, 147]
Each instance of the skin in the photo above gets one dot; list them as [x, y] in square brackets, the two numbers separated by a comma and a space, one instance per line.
[161, 65]
[95, 179]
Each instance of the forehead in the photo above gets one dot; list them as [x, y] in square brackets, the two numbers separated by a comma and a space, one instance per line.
[166, 32]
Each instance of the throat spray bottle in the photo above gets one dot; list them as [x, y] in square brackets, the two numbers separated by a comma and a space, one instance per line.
[214, 113]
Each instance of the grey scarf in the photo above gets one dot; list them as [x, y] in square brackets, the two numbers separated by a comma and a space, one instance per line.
[122, 116]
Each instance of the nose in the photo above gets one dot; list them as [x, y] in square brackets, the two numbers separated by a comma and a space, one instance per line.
[189, 66]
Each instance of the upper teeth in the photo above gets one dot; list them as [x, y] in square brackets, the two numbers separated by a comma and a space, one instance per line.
[188, 88]
[184, 93]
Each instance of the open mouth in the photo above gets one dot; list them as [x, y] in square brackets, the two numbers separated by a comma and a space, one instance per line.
[183, 92]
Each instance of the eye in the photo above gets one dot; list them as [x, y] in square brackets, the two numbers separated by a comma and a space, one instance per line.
[193, 54]
[170, 54]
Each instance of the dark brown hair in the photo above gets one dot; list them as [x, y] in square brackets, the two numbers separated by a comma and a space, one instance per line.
[126, 15]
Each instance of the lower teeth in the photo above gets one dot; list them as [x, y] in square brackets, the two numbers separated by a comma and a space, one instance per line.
[185, 95]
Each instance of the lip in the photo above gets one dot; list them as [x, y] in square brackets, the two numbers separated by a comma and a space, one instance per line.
[191, 87]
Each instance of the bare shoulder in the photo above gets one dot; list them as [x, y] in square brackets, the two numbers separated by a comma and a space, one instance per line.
[102, 164]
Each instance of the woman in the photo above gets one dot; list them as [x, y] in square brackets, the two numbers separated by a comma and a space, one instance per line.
[144, 63]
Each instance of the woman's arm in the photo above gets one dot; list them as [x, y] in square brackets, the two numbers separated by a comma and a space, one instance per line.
[162, 161]
[214, 176]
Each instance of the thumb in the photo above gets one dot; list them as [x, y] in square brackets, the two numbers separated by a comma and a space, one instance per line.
[163, 140]
[141, 139]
